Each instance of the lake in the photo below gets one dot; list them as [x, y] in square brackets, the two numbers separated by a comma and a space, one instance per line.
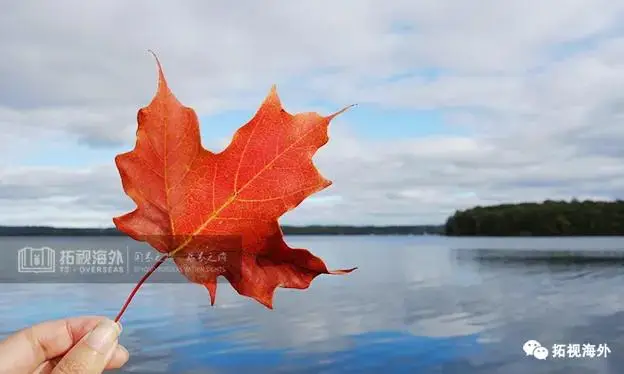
[419, 304]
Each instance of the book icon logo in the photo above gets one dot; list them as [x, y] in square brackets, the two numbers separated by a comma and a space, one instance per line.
[36, 260]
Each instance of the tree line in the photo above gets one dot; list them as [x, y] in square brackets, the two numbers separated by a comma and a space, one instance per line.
[548, 218]
[288, 230]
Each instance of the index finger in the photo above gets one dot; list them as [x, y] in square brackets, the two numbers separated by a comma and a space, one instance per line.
[25, 350]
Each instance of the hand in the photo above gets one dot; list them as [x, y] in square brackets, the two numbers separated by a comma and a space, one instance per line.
[81, 345]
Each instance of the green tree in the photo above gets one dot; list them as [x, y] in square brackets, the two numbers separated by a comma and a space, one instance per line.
[548, 218]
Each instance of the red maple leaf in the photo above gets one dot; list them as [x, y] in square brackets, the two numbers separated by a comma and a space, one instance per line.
[204, 209]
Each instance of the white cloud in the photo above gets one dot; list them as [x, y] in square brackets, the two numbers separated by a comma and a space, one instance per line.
[540, 87]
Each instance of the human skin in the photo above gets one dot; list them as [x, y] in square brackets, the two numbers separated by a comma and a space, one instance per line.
[80, 345]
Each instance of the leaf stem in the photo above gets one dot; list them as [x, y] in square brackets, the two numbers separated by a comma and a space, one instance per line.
[138, 285]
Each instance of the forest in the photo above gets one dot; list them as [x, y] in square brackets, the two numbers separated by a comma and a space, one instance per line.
[288, 230]
[548, 218]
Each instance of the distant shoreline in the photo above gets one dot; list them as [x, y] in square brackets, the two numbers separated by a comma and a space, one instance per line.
[288, 230]
[548, 218]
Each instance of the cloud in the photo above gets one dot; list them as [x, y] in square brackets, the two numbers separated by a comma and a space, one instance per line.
[531, 93]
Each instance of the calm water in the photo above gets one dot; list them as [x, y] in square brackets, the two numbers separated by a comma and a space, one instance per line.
[416, 304]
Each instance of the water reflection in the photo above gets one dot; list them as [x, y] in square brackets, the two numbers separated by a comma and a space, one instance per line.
[413, 305]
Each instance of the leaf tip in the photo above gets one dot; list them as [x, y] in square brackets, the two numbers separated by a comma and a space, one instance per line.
[332, 116]
[117, 222]
[343, 271]
[162, 82]
[266, 300]
[273, 96]
[119, 160]
[212, 290]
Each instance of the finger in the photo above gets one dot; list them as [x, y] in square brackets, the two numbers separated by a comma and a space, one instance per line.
[120, 358]
[93, 352]
[25, 350]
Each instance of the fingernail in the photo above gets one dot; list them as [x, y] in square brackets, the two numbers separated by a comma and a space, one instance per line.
[103, 336]
[124, 350]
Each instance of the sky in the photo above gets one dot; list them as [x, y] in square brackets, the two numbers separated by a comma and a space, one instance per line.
[459, 103]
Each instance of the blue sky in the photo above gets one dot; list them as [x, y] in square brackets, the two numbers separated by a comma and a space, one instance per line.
[456, 107]
[371, 123]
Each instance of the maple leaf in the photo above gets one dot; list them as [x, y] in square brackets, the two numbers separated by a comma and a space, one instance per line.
[196, 206]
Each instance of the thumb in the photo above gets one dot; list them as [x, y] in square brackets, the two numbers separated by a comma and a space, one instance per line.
[91, 354]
